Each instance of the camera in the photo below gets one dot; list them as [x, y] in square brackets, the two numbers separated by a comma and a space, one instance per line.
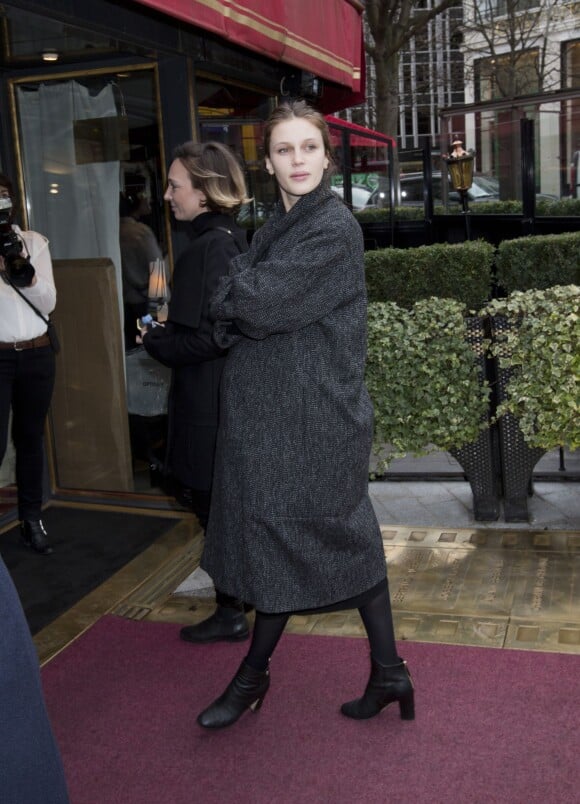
[17, 265]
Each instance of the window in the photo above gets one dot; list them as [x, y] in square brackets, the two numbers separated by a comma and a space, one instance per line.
[507, 76]
[234, 116]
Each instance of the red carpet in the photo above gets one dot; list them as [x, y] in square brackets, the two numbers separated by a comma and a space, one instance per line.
[492, 725]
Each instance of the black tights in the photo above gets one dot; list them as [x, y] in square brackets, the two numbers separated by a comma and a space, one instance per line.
[377, 620]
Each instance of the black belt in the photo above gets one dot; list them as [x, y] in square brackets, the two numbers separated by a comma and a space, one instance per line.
[33, 343]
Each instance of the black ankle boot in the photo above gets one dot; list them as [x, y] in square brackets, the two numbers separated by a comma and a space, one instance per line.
[246, 691]
[229, 625]
[34, 536]
[386, 684]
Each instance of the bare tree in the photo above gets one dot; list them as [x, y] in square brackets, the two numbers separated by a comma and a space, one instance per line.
[392, 24]
[506, 42]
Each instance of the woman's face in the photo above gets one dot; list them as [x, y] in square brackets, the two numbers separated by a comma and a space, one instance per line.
[5, 196]
[297, 158]
[185, 201]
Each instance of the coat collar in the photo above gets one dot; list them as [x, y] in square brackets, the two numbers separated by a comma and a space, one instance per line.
[211, 220]
[281, 221]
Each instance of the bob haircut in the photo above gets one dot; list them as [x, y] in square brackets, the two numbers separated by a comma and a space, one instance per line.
[214, 170]
[289, 111]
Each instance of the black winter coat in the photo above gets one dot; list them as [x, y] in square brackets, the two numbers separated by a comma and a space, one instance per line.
[186, 345]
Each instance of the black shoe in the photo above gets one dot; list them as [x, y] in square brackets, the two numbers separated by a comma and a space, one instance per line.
[34, 536]
[386, 685]
[246, 691]
[228, 625]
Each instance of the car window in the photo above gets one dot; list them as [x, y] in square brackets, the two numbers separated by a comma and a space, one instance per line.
[411, 190]
[360, 195]
[483, 187]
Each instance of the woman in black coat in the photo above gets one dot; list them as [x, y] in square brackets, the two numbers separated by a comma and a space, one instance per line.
[206, 188]
[292, 527]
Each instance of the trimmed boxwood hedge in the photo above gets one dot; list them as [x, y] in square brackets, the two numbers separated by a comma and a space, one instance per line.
[538, 262]
[460, 271]
[563, 207]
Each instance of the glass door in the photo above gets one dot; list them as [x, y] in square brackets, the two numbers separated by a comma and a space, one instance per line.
[235, 116]
[90, 150]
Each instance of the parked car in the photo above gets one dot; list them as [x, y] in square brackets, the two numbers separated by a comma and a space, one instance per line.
[360, 195]
[483, 188]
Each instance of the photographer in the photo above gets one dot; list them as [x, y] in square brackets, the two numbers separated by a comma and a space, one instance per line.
[27, 362]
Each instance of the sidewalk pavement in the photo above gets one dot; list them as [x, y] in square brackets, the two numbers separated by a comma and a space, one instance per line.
[448, 503]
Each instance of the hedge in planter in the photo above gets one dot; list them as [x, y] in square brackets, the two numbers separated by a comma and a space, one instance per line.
[541, 349]
[536, 342]
[538, 262]
[460, 271]
[423, 378]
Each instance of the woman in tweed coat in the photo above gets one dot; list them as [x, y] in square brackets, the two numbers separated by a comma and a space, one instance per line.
[291, 526]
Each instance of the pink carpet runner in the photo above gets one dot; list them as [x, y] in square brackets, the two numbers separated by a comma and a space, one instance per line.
[492, 725]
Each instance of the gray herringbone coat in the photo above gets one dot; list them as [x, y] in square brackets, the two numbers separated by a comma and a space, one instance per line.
[291, 525]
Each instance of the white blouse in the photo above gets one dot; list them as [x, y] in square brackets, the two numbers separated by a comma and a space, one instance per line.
[18, 322]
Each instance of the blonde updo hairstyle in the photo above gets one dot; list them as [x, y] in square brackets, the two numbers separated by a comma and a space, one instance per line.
[215, 171]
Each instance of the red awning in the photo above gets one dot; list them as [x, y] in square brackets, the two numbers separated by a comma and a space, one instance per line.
[323, 38]
[370, 137]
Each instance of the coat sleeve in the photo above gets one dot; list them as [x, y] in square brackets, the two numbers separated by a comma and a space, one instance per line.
[175, 349]
[43, 293]
[183, 346]
[323, 270]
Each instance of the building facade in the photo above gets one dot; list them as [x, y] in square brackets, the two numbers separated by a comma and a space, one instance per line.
[521, 63]
[94, 96]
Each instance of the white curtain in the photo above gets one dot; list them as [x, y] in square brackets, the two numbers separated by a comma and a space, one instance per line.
[76, 206]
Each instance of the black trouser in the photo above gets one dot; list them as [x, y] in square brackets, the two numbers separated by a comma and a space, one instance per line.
[26, 384]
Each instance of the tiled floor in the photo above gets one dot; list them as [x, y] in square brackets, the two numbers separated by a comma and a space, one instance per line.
[452, 579]
[498, 588]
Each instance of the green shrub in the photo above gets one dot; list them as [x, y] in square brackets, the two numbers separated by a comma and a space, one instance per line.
[497, 208]
[538, 262]
[561, 207]
[460, 271]
[374, 215]
[423, 378]
[540, 347]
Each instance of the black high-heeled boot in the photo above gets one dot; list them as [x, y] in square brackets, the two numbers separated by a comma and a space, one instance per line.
[225, 624]
[386, 685]
[246, 691]
[33, 535]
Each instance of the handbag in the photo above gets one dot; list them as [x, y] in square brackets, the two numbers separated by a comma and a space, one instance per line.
[148, 383]
[50, 328]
